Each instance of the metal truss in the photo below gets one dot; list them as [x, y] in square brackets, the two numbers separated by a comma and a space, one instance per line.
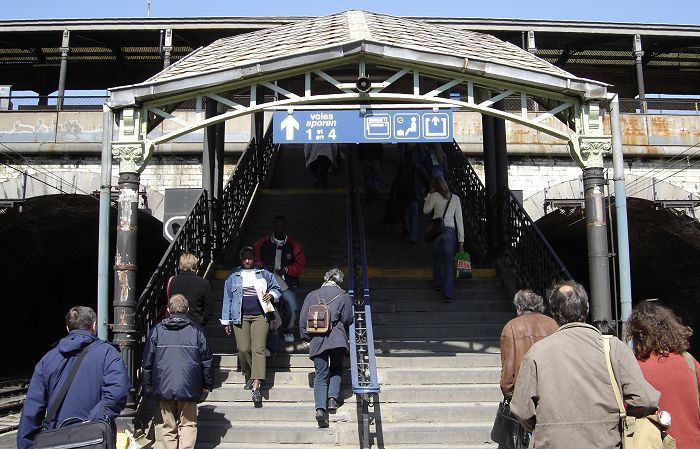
[322, 87]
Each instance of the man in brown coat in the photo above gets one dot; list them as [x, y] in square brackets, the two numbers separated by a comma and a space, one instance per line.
[563, 392]
[520, 333]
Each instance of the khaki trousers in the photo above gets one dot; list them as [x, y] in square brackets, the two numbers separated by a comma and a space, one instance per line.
[251, 337]
[179, 424]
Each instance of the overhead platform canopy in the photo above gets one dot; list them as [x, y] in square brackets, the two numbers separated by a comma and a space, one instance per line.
[318, 61]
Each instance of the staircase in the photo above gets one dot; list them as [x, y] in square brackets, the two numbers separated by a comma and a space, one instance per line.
[438, 363]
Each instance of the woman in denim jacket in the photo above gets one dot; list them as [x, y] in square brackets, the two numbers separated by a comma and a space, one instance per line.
[246, 291]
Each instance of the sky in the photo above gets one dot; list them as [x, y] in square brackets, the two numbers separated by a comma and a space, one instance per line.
[640, 11]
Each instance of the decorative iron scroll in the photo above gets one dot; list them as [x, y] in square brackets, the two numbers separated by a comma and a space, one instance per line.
[527, 252]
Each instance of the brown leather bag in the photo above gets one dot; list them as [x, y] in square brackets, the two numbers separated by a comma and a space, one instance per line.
[318, 319]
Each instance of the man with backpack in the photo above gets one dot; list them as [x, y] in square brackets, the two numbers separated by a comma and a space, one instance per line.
[325, 319]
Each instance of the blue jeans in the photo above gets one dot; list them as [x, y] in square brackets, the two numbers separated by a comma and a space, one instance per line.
[444, 250]
[290, 300]
[410, 220]
[329, 368]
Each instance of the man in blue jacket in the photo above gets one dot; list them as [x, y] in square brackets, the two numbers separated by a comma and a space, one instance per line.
[177, 371]
[98, 390]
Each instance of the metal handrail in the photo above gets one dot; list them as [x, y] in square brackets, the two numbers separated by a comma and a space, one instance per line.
[252, 169]
[527, 252]
[196, 236]
[363, 369]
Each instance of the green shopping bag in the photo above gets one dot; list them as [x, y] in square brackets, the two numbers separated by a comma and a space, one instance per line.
[463, 265]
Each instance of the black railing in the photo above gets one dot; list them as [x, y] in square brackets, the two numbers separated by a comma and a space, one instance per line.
[532, 258]
[527, 253]
[196, 236]
[464, 181]
[252, 169]
[363, 363]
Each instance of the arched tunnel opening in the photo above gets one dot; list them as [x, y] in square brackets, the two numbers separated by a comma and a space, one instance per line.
[664, 255]
[49, 264]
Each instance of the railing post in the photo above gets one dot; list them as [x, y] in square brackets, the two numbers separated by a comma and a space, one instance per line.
[125, 274]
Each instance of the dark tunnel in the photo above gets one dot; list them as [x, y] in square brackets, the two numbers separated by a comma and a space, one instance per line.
[49, 263]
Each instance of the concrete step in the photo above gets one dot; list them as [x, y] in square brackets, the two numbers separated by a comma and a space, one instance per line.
[417, 362]
[421, 347]
[277, 361]
[437, 305]
[342, 433]
[396, 393]
[434, 330]
[210, 445]
[477, 412]
[257, 435]
[387, 376]
[271, 412]
[462, 293]
[439, 316]
[429, 413]
[438, 376]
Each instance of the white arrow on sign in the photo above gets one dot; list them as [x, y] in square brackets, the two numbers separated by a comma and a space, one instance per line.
[289, 125]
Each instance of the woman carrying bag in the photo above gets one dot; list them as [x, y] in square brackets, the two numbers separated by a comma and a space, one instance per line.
[441, 203]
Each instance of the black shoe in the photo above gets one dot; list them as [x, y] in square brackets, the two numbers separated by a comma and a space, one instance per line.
[332, 405]
[322, 417]
[257, 397]
[248, 385]
[437, 287]
[447, 299]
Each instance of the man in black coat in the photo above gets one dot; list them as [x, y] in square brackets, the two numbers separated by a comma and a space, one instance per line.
[177, 371]
[194, 288]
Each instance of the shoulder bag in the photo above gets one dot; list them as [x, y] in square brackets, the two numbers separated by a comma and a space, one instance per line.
[507, 431]
[637, 433]
[83, 434]
[436, 225]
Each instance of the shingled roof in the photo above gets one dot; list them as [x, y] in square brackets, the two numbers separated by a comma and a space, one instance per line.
[352, 32]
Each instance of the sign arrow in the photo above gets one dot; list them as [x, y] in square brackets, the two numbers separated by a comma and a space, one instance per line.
[435, 121]
[289, 125]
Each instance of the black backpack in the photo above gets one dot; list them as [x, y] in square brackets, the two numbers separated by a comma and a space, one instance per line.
[318, 319]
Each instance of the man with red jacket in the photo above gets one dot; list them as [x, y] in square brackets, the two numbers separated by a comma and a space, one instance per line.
[284, 257]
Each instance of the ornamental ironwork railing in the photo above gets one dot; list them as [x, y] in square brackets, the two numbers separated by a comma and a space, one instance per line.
[363, 363]
[196, 237]
[252, 169]
[527, 252]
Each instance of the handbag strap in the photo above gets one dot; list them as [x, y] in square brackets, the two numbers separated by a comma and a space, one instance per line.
[323, 301]
[51, 414]
[447, 206]
[691, 363]
[616, 389]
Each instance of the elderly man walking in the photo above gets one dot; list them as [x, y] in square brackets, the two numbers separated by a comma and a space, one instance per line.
[563, 392]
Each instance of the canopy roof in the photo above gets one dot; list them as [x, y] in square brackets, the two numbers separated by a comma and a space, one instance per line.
[351, 33]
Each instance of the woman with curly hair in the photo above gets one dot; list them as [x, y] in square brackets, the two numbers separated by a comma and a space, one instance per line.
[660, 342]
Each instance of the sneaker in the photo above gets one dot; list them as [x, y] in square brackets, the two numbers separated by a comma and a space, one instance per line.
[332, 404]
[322, 417]
[289, 338]
[248, 385]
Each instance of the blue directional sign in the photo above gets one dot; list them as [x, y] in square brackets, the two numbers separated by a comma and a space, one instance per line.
[353, 126]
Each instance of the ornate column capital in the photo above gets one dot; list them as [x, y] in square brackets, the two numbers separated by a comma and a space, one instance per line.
[132, 156]
[589, 151]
